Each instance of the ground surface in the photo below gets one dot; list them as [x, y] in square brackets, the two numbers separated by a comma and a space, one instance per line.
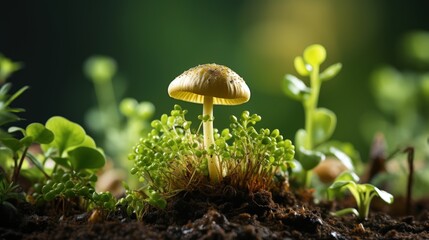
[230, 215]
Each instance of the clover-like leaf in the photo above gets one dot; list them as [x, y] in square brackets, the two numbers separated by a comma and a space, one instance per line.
[324, 122]
[295, 88]
[39, 133]
[67, 134]
[331, 72]
[85, 158]
[88, 142]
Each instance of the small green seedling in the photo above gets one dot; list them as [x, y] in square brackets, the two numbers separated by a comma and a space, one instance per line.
[312, 142]
[362, 193]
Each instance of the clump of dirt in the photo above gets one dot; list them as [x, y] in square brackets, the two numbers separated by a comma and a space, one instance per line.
[228, 214]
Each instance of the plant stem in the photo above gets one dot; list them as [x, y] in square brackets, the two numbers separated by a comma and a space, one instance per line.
[213, 163]
[107, 101]
[18, 168]
[310, 105]
[363, 212]
[307, 178]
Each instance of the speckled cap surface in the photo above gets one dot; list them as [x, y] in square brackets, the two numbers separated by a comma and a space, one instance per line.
[217, 81]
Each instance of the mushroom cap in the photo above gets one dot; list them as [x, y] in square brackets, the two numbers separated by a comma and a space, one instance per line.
[217, 81]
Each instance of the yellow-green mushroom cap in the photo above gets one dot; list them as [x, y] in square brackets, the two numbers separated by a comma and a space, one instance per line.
[211, 80]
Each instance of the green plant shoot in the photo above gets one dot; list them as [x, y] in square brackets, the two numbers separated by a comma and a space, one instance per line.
[362, 193]
[319, 122]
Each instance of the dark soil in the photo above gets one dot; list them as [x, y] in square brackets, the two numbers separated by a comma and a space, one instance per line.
[230, 215]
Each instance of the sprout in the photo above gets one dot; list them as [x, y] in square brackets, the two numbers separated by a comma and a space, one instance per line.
[362, 193]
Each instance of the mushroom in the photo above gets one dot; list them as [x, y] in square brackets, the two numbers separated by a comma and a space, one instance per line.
[210, 84]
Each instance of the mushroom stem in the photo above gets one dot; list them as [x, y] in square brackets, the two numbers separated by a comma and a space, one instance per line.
[213, 163]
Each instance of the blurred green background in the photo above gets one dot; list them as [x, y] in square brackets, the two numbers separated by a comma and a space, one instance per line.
[155, 41]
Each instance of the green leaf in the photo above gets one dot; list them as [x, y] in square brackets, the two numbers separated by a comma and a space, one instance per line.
[315, 54]
[338, 185]
[27, 141]
[16, 129]
[309, 159]
[12, 143]
[39, 133]
[387, 197]
[67, 134]
[346, 148]
[295, 88]
[15, 95]
[331, 72]
[62, 161]
[6, 156]
[300, 138]
[36, 162]
[301, 67]
[8, 117]
[345, 211]
[5, 88]
[86, 158]
[88, 142]
[344, 159]
[347, 176]
[324, 122]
